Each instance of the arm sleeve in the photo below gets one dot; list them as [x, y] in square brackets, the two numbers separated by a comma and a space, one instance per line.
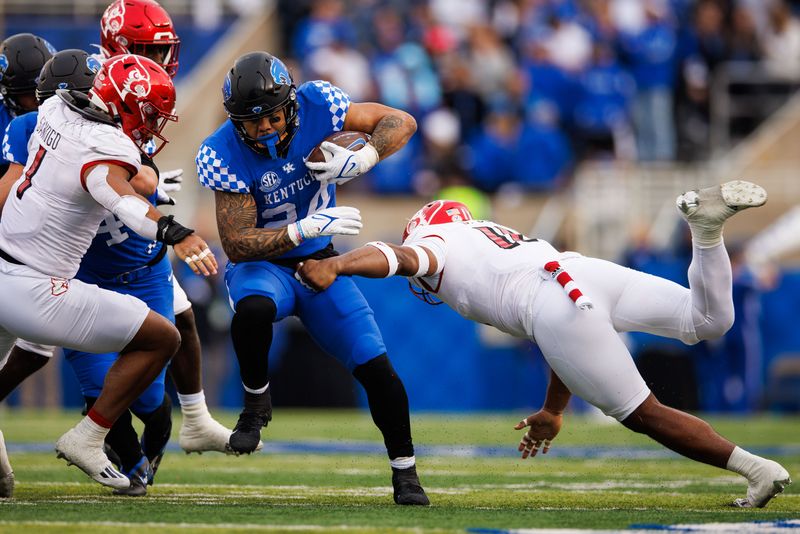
[336, 101]
[435, 244]
[214, 173]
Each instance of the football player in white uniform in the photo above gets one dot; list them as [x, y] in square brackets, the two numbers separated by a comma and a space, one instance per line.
[82, 154]
[573, 307]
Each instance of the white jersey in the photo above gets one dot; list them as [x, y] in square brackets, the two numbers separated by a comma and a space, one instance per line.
[489, 272]
[49, 218]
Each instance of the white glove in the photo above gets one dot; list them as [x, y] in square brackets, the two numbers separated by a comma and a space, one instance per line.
[342, 165]
[168, 182]
[340, 220]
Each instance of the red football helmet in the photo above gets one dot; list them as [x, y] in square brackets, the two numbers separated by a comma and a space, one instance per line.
[438, 212]
[140, 27]
[138, 94]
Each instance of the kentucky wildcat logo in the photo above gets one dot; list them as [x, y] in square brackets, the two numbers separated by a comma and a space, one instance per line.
[280, 74]
[3, 63]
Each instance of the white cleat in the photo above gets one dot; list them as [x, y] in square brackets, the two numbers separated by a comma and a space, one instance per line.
[203, 434]
[6, 474]
[73, 448]
[771, 480]
[713, 205]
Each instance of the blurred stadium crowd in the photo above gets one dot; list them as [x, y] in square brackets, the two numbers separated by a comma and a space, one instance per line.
[493, 83]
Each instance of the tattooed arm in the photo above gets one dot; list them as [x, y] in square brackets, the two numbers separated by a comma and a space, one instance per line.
[241, 240]
[390, 128]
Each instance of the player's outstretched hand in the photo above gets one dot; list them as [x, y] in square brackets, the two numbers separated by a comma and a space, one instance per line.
[316, 274]
[343, 164]
[544, 427]
[195, 252]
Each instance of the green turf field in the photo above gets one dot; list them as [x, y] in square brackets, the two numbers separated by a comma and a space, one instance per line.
[309, 486]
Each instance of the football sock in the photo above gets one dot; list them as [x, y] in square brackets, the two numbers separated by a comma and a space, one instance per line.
[710, 280]
[91, 431]
[192, 399]
[251, 332]
[743, 462]
[388, 404]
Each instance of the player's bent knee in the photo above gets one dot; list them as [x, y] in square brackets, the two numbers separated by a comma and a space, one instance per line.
[157, 335]
[256, 309]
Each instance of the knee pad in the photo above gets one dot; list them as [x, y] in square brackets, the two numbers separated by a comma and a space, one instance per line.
[256, 309]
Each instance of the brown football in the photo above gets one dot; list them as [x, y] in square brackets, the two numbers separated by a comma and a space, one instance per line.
[349, 140]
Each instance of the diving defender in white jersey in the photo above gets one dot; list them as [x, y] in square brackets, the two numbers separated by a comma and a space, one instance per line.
[82, 154]
[573, 307]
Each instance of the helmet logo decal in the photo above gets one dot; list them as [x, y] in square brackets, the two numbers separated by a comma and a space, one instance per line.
[63, 85]
[137, 83]
[454, 214]
[3, 63]
[269, 182]
[279, 72]
[113, 18]
[93, 64]
[256, 109]
[226, 87]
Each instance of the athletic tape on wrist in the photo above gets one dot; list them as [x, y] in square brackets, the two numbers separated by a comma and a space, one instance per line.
[295, 232]
[391, 257]
[423, 260]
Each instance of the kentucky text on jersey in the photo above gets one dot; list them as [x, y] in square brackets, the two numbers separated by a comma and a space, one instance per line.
[282, 188]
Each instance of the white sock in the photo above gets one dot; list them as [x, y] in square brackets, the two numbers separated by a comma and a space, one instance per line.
[403, 462]
[5, 465]
[191, 398]
[743, 462]
[94, 433]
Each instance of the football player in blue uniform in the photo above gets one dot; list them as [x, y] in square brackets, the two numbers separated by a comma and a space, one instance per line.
[274, 211]
[22, 57]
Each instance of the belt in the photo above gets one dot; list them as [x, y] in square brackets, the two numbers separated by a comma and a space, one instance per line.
[291, 263]
[9, 258]
[135, 274]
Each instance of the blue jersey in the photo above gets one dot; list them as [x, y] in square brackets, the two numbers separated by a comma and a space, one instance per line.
[17, 134]
[5, 119]
[116, 249]
[283, 189]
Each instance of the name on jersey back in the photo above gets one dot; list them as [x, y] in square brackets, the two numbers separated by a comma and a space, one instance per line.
[50, 137]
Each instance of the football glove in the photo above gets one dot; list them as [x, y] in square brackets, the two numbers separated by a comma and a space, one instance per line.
[340, 220]
[343, 165]
[168, 182]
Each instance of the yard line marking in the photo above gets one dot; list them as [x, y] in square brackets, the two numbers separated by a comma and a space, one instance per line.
[201, 526]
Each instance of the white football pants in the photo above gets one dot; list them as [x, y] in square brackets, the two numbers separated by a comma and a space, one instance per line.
[583, 346]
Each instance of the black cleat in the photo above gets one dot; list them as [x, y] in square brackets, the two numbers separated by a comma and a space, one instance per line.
[139, 476]
[407, 489]
[246, 434]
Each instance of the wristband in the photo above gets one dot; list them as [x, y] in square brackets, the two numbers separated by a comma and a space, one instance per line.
[171, 232]
[391, 257]
[423, 260]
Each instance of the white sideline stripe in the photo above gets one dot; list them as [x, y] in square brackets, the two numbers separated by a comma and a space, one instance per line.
[198, 526]
[782, 525]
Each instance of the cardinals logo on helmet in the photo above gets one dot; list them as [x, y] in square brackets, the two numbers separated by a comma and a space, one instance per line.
[114, 17]
[137, 82]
